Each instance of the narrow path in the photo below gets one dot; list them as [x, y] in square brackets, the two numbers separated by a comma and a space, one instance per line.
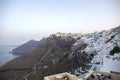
[39, 60]
[45, 55]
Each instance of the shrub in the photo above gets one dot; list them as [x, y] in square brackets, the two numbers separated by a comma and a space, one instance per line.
[116, 49]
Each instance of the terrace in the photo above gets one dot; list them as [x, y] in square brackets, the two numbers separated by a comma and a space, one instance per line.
[98, 75]
[62, 76]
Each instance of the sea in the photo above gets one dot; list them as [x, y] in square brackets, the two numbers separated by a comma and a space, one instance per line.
[6, 54]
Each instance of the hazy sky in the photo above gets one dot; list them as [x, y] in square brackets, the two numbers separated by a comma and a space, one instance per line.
[22, 20]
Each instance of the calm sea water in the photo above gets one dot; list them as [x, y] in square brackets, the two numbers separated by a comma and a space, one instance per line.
[5, 55]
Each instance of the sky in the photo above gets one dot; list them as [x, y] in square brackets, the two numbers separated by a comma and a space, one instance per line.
[22, 20]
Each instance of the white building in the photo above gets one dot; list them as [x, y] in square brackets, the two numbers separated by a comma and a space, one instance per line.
[111, 64]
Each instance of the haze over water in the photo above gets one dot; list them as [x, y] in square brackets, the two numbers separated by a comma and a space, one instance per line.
[5, 55]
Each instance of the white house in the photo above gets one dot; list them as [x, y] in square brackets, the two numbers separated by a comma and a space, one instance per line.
[111, 64]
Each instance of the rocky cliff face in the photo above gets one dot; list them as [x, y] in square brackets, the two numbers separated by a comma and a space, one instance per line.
[53, 50]
[60, 53]
[27, 47]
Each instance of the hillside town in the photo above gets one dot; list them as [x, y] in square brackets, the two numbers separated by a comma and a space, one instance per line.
[105, 65]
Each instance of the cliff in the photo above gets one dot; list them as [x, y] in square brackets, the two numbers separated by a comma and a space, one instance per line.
[52, 51]
[27, 47]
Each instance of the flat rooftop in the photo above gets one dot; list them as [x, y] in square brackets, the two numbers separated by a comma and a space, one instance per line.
[96, 75]
[61, 76]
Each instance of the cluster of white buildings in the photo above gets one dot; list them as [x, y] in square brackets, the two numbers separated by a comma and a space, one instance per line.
[102, 43]
[111, 64]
